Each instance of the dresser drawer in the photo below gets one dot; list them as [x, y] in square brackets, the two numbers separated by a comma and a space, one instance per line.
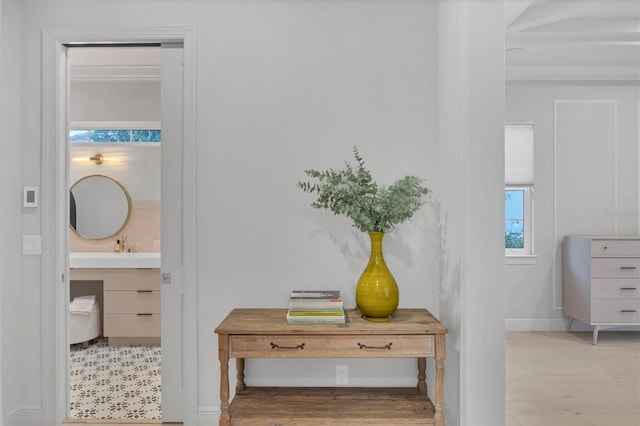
[132, 325]
[381, 346]
[615, 267]
[132, 279]
[131, 302]
[615, 310]
[615, 288]
[615, 248]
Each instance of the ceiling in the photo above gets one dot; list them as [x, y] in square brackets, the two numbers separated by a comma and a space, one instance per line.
[572, 39]
[544, 40]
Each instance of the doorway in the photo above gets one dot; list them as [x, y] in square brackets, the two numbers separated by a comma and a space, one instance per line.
[115, 139]
[179, 390]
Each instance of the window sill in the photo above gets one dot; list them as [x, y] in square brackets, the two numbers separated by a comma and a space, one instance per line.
[530, 259]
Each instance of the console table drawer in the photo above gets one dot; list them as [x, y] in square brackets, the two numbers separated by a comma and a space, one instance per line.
[379, 346]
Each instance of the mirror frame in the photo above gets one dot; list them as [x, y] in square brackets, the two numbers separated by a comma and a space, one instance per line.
[129, 207]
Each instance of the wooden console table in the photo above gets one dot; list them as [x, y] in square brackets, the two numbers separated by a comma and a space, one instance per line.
[264, 333]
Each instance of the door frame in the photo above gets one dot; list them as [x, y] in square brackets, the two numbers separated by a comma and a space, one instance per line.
[54, 202]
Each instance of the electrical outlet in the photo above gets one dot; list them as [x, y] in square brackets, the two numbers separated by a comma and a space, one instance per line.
[342, 374]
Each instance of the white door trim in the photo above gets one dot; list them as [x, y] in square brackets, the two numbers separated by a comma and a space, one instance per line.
[55, 212]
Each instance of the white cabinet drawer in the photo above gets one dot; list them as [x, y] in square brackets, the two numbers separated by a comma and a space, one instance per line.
[132, 325]
[615, 248]
[615, 288]
[615, 310]
[615, 267]
[132, 302]
[132, 279]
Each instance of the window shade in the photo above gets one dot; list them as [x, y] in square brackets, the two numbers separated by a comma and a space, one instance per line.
[518, 154]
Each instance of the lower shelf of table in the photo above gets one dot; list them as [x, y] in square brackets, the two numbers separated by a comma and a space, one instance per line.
[330, 406]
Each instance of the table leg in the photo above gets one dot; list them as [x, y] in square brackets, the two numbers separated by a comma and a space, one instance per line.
[240, 385]
[422, 375]
[439, 391]
[223, 355]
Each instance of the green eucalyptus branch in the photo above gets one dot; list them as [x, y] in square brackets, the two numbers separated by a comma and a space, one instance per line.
[353, 192]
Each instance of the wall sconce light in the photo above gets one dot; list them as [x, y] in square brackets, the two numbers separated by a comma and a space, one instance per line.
[97, 159]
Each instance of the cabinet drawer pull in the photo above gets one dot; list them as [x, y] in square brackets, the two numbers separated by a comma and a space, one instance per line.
[628, 267]
[276, 346]
[627, 310]
[628, 288]
[144, 314]
[361, 346]
[144, 291]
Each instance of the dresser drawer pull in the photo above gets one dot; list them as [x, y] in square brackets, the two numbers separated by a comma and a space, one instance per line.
[144, 291]
[628, 267]
[627, 310]
[628, 288]
[276, 346]
[375, 347]
[144, 315]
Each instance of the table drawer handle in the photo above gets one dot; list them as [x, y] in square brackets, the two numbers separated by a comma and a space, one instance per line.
[144, 314]
[276, 346]
[375, 347]
[628, 288]
[627, 310]
[144, 291]
[628, 267]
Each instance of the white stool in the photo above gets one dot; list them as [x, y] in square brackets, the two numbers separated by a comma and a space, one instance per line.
[83, 327]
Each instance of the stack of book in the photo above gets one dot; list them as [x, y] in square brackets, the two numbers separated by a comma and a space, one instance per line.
[315, 307]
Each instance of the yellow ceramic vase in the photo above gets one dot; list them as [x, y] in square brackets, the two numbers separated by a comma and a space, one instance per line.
[377, 294]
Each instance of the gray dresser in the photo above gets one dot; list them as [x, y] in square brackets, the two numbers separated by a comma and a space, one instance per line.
[601, 280]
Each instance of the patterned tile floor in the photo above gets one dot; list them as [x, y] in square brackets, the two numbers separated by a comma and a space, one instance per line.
[115, 382]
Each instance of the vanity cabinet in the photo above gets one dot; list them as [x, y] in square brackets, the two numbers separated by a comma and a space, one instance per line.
[601, 280]
[131, 298]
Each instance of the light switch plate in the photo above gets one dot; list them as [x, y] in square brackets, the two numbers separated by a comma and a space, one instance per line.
[31, 245]
[30, 196]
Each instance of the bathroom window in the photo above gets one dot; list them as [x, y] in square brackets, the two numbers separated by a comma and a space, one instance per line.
[115, 135]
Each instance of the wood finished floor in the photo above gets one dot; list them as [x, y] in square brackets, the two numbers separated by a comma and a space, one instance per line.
[561, 379]
[556, 379]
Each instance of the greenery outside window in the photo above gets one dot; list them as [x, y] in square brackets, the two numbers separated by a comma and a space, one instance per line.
[114, 135]
[518, 195]
[144, 132]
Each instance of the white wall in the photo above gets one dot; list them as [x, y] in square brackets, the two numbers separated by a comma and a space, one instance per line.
[137, 100]
[282, 86]
[471, 164]
[586, 182]
[2, 194]
[12, 215]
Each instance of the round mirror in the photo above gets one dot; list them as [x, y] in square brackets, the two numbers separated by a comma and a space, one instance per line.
[100, 207]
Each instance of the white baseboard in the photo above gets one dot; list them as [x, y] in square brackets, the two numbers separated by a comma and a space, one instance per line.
[208, 415]
[26, 416]
[554, 324]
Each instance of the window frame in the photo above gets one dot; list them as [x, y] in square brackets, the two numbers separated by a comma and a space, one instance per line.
[526, 254]
[527, 225]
